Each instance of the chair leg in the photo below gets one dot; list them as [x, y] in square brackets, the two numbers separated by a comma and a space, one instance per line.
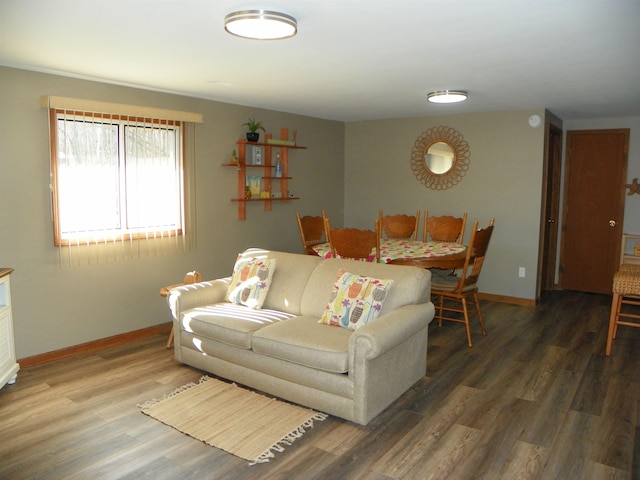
[479, 312]
[466, 320]
[170, 340]
[613, 318]
[440, 311]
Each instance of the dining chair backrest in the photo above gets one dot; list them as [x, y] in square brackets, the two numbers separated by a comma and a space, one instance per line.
[445, 228]
[312, 231]
[476, 252]
[354, 243]
[399, 226]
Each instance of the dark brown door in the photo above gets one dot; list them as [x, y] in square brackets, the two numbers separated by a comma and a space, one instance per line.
[551, 219]
[595, 174]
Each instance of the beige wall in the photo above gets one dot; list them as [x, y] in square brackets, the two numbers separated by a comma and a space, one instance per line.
[350, 170]
[57, 306]
[503, 181]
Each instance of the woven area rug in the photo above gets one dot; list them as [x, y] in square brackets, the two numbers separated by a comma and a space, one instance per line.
[234, 419]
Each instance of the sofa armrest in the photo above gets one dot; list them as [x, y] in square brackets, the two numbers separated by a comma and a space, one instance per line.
[197, 295]
[389, 331]
[387, 356]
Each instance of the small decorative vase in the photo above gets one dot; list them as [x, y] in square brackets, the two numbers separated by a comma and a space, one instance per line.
[247, 192]
[253, 136]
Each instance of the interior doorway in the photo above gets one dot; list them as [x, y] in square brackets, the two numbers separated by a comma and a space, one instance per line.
[593, 208]
[551, 209]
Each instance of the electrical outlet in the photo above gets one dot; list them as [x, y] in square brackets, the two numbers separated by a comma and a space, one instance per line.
[521, 272]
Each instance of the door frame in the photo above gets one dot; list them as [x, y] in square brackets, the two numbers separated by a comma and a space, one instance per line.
[550, 211]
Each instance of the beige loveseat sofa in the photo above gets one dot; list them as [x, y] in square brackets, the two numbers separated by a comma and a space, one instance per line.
[281, 349]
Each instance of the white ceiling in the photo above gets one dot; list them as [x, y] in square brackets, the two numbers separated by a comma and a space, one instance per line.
[351, 59]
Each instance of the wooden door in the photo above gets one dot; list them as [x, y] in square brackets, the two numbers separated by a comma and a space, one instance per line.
[594, 195]
[551, 219]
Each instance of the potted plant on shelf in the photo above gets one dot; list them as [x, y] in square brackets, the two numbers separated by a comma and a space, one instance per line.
[253, 127]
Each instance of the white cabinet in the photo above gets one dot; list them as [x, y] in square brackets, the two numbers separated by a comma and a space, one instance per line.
[8, 365]
[628, 254]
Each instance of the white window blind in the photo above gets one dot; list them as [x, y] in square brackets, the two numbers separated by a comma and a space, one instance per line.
[119, 181]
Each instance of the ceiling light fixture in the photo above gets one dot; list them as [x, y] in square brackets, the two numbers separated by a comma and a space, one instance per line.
[447, 96]
[260, 24]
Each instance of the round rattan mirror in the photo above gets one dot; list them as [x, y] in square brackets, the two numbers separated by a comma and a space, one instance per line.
[440, 157]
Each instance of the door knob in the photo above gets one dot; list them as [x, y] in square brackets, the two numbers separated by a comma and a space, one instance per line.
[612, 223]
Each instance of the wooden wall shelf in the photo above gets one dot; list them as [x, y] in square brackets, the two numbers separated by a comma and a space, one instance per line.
[270, 182]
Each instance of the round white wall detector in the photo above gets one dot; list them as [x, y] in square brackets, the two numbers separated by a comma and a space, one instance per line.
[535, 121]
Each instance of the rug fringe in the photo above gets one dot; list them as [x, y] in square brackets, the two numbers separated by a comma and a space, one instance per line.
[291, 437]
[154, 401]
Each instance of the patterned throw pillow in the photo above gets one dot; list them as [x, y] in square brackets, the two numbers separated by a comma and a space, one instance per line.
[250, 281]
[355, 300]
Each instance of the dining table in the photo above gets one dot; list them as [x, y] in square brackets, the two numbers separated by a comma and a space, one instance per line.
[411, 252]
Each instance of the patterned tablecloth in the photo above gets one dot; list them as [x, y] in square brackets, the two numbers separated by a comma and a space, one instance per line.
[393, 249]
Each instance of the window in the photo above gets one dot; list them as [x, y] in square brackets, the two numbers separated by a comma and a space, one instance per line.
[115, 177]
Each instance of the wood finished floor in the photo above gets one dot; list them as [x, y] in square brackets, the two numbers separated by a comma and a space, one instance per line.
[535, 399]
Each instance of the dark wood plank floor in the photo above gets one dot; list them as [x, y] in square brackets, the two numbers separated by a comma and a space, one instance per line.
[535, 399]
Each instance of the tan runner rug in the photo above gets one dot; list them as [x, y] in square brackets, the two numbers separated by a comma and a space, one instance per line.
[234, 419]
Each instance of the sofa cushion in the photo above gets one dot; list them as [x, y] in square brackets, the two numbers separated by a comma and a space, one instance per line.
[250, 281]
[289, 280]
[229, 323]
[355, 300]
[304, 341]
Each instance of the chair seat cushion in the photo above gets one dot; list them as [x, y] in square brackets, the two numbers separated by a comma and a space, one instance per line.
[449, 283]
[441, 272]
[627, 281]
[304, 341]
[230, 323]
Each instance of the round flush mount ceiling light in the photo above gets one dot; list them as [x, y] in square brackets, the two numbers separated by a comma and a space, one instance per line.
[447, 96]
[260, 24]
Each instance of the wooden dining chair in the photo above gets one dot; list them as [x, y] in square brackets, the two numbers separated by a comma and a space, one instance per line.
[354, 243]
[445, 228]
[625, 301]
[452, 292]
[312, 231]
[399, 226]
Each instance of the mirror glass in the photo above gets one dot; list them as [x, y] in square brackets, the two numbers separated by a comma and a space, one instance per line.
[439, 157]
